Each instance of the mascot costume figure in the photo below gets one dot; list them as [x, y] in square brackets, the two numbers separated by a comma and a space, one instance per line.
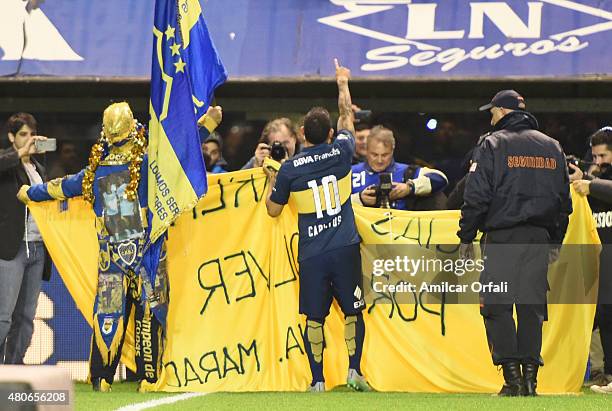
[115, 184]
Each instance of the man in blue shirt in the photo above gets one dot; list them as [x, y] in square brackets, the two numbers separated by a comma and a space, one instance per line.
[408, 181]
[318, 180]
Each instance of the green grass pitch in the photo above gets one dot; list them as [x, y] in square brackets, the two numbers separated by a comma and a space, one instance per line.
[341, 398]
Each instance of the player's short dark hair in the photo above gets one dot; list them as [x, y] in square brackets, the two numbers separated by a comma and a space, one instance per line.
[317, 124]
[18, 120]
[602, 136]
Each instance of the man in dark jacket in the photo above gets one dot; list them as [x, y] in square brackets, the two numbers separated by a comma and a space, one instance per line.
[455, 198]
[22, 254]
[517, 193]
[598, 188]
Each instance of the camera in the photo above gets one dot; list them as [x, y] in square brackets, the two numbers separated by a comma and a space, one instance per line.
[383, 189]
[278, 151]
[42, 146]
[363, 116]
[572, 159]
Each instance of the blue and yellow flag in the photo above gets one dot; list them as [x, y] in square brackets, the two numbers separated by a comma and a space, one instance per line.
[185, 72]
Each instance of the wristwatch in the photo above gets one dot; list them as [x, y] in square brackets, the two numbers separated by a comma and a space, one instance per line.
[411, 185]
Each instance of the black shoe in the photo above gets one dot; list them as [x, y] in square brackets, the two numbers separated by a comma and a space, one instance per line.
[530, 379]
[513, 380]
[100, 385]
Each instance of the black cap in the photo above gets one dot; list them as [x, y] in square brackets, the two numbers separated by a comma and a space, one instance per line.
[507, 99]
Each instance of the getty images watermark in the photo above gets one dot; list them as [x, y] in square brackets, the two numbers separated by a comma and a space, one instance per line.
[425, 272]
[415, 268]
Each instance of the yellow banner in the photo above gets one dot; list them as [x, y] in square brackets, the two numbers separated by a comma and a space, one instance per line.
[233, 322]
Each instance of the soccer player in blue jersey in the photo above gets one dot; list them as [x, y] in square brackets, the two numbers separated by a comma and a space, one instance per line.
[318, 179]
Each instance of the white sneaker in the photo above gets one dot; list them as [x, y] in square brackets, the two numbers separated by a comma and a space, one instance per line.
[317, 387]
[357, 381]
[602, 389]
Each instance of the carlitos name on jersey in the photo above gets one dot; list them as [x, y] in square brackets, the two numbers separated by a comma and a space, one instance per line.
[315, 229]
[315, 157]
[603, 219]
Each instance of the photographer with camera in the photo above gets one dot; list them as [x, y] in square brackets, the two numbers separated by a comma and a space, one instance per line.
[22, 253]
[598, 187]
[381, 182]
[279, 140]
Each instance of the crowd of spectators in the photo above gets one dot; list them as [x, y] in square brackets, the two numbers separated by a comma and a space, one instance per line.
[238, 142]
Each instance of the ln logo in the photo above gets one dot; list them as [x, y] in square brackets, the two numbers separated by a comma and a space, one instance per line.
[27, 33]
[418, 46]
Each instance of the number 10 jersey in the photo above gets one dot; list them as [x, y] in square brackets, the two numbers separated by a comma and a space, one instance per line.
[318, 181]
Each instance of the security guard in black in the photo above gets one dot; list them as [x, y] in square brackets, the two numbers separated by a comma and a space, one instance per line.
[517, 193]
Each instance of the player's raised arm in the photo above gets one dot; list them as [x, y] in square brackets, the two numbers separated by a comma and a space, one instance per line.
[345, 120]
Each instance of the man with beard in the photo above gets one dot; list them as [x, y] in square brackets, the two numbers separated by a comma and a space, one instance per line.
[598, 188]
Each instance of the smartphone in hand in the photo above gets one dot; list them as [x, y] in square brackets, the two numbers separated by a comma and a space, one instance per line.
[42, 146]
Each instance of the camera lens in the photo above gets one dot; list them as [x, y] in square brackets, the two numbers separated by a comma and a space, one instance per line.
[571, 159]
[277, 151]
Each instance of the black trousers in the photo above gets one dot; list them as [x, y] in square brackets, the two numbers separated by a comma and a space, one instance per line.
[603, 320]
[603, 315]
[518, 258]
[510, 342]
